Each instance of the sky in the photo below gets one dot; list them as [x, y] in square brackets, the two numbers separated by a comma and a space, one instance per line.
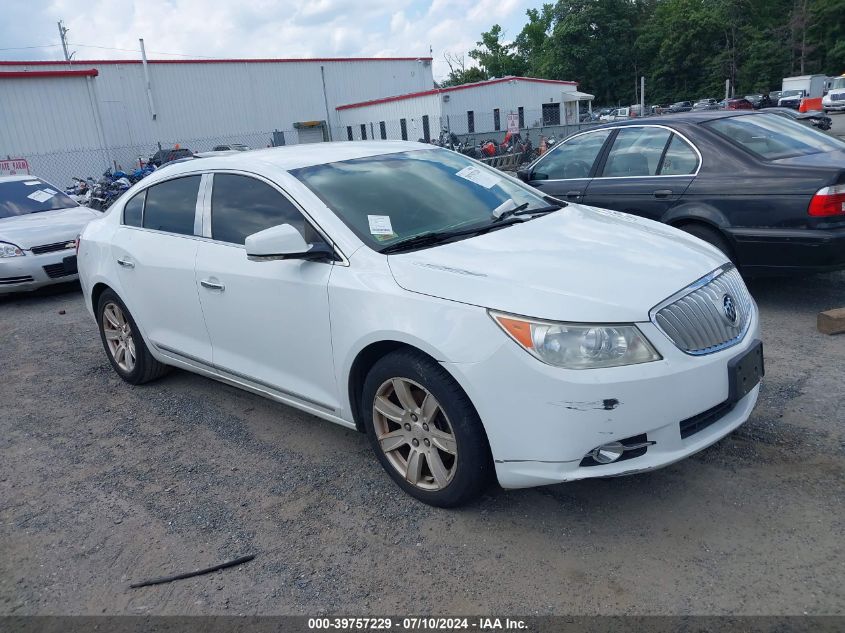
[255, 28]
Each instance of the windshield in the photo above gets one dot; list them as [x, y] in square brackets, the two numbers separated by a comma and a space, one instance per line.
[791, 93]
[839, 82]
[392, 197]
[770, 136]
[20, 197]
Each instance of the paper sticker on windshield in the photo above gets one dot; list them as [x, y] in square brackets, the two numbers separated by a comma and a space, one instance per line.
[479, 177]
[30, 183]
[40, 195]
[52, 192]
[380, 225]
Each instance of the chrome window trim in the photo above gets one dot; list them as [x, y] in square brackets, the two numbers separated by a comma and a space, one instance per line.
[699, 283]
[563, 142]
[620, 127]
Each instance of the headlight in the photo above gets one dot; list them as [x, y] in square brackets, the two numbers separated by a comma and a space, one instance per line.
[9, 250]
[578, 345]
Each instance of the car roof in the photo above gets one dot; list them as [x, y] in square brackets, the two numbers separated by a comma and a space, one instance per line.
[18, 177]
[682, 117]
[290, 157]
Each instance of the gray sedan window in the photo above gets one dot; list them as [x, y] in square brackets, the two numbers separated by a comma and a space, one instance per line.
[636, 151]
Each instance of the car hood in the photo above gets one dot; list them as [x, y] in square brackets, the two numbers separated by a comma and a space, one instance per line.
[46, 227]
[577, 264]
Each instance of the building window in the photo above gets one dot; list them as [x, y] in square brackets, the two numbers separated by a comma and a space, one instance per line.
[551, 114]
[349, 133]
[403, 124]
[383, 129]
[363, 131]
[497, 124]
[426, 131]
[521, 112]
[470, 121]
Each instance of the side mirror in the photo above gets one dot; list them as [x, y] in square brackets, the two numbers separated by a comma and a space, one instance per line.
[284, 242]
[524, 175]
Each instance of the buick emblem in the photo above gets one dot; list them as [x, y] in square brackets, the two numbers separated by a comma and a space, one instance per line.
[729, 309]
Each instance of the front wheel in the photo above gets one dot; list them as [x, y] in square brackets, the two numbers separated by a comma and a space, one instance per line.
[425, 431]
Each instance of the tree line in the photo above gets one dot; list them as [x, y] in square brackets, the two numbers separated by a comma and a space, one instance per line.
[685, 49]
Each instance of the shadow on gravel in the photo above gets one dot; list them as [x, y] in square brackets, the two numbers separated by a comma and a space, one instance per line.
[41, 293]
[811, 293]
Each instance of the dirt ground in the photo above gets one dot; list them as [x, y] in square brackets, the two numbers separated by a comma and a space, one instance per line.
[102, 484]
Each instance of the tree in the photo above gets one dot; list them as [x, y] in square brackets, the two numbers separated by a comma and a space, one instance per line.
[496, 58]
[459, 72]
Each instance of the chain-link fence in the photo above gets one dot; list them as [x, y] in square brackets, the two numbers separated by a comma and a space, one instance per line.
[470, 129]
[61, 167]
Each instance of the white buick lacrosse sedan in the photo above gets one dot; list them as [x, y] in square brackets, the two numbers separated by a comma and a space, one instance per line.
[466, 323]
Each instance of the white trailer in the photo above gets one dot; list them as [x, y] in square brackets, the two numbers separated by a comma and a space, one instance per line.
[812, 85]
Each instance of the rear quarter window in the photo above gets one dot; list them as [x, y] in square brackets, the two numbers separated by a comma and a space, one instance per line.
[770, 136]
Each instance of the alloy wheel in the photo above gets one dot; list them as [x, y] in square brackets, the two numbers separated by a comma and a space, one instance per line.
[414, 433]
[118, 335]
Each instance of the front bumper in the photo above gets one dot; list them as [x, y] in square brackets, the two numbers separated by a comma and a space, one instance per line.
[833, 106]
[542, 421]
[30, 272]
[789, 251]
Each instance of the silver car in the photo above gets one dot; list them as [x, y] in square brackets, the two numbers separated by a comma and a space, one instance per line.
[38, 229]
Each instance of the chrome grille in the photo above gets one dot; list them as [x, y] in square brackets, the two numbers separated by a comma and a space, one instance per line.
[695, 319]
[52, 248]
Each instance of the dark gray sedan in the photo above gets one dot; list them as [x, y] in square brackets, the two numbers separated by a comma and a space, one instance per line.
[766, 190]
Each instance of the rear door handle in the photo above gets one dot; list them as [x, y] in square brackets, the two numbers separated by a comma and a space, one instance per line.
[212, 285]
[574, 195]
[662, 193]
[126, 263]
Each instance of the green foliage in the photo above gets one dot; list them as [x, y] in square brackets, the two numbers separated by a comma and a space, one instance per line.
[686, 49]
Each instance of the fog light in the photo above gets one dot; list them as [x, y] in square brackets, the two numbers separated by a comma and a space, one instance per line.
[608, 453]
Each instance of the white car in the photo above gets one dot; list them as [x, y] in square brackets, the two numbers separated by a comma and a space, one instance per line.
[38, 229]
[466, 323]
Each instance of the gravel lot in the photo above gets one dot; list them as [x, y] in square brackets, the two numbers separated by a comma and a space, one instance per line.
[102, 484]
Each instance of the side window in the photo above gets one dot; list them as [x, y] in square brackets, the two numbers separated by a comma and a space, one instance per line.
[133, 211]
[680, 159]
[573, 158]
[171, 205]
[636, 151]
[241, 206]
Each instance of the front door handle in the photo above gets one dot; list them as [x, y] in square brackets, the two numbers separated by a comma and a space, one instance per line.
[212, 285]
[662, 193]
[573, 195]
[126, 263]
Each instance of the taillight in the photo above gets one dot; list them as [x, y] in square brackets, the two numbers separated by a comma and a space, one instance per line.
[828, 201]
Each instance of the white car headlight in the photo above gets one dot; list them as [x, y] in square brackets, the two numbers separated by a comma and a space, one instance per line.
[10, 250]
[578, 345]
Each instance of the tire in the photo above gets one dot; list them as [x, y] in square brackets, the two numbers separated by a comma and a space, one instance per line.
[453, 464]
[114, 320]
[711, 236]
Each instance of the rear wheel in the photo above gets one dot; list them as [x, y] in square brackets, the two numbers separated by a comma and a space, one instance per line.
[424, 430]
[711, 236]
[127, 352]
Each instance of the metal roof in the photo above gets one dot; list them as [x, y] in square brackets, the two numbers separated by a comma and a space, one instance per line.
[269, 60]
[477, 84]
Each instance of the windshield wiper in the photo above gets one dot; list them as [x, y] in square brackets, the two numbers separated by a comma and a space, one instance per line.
[439, 237]
[521, 210]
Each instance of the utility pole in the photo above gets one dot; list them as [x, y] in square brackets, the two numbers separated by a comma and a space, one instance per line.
[63, 36]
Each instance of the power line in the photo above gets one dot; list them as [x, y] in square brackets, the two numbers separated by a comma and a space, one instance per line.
[107, 48]
[24, 48]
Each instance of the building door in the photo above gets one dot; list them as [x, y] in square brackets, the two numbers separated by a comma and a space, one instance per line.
[311, 134]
